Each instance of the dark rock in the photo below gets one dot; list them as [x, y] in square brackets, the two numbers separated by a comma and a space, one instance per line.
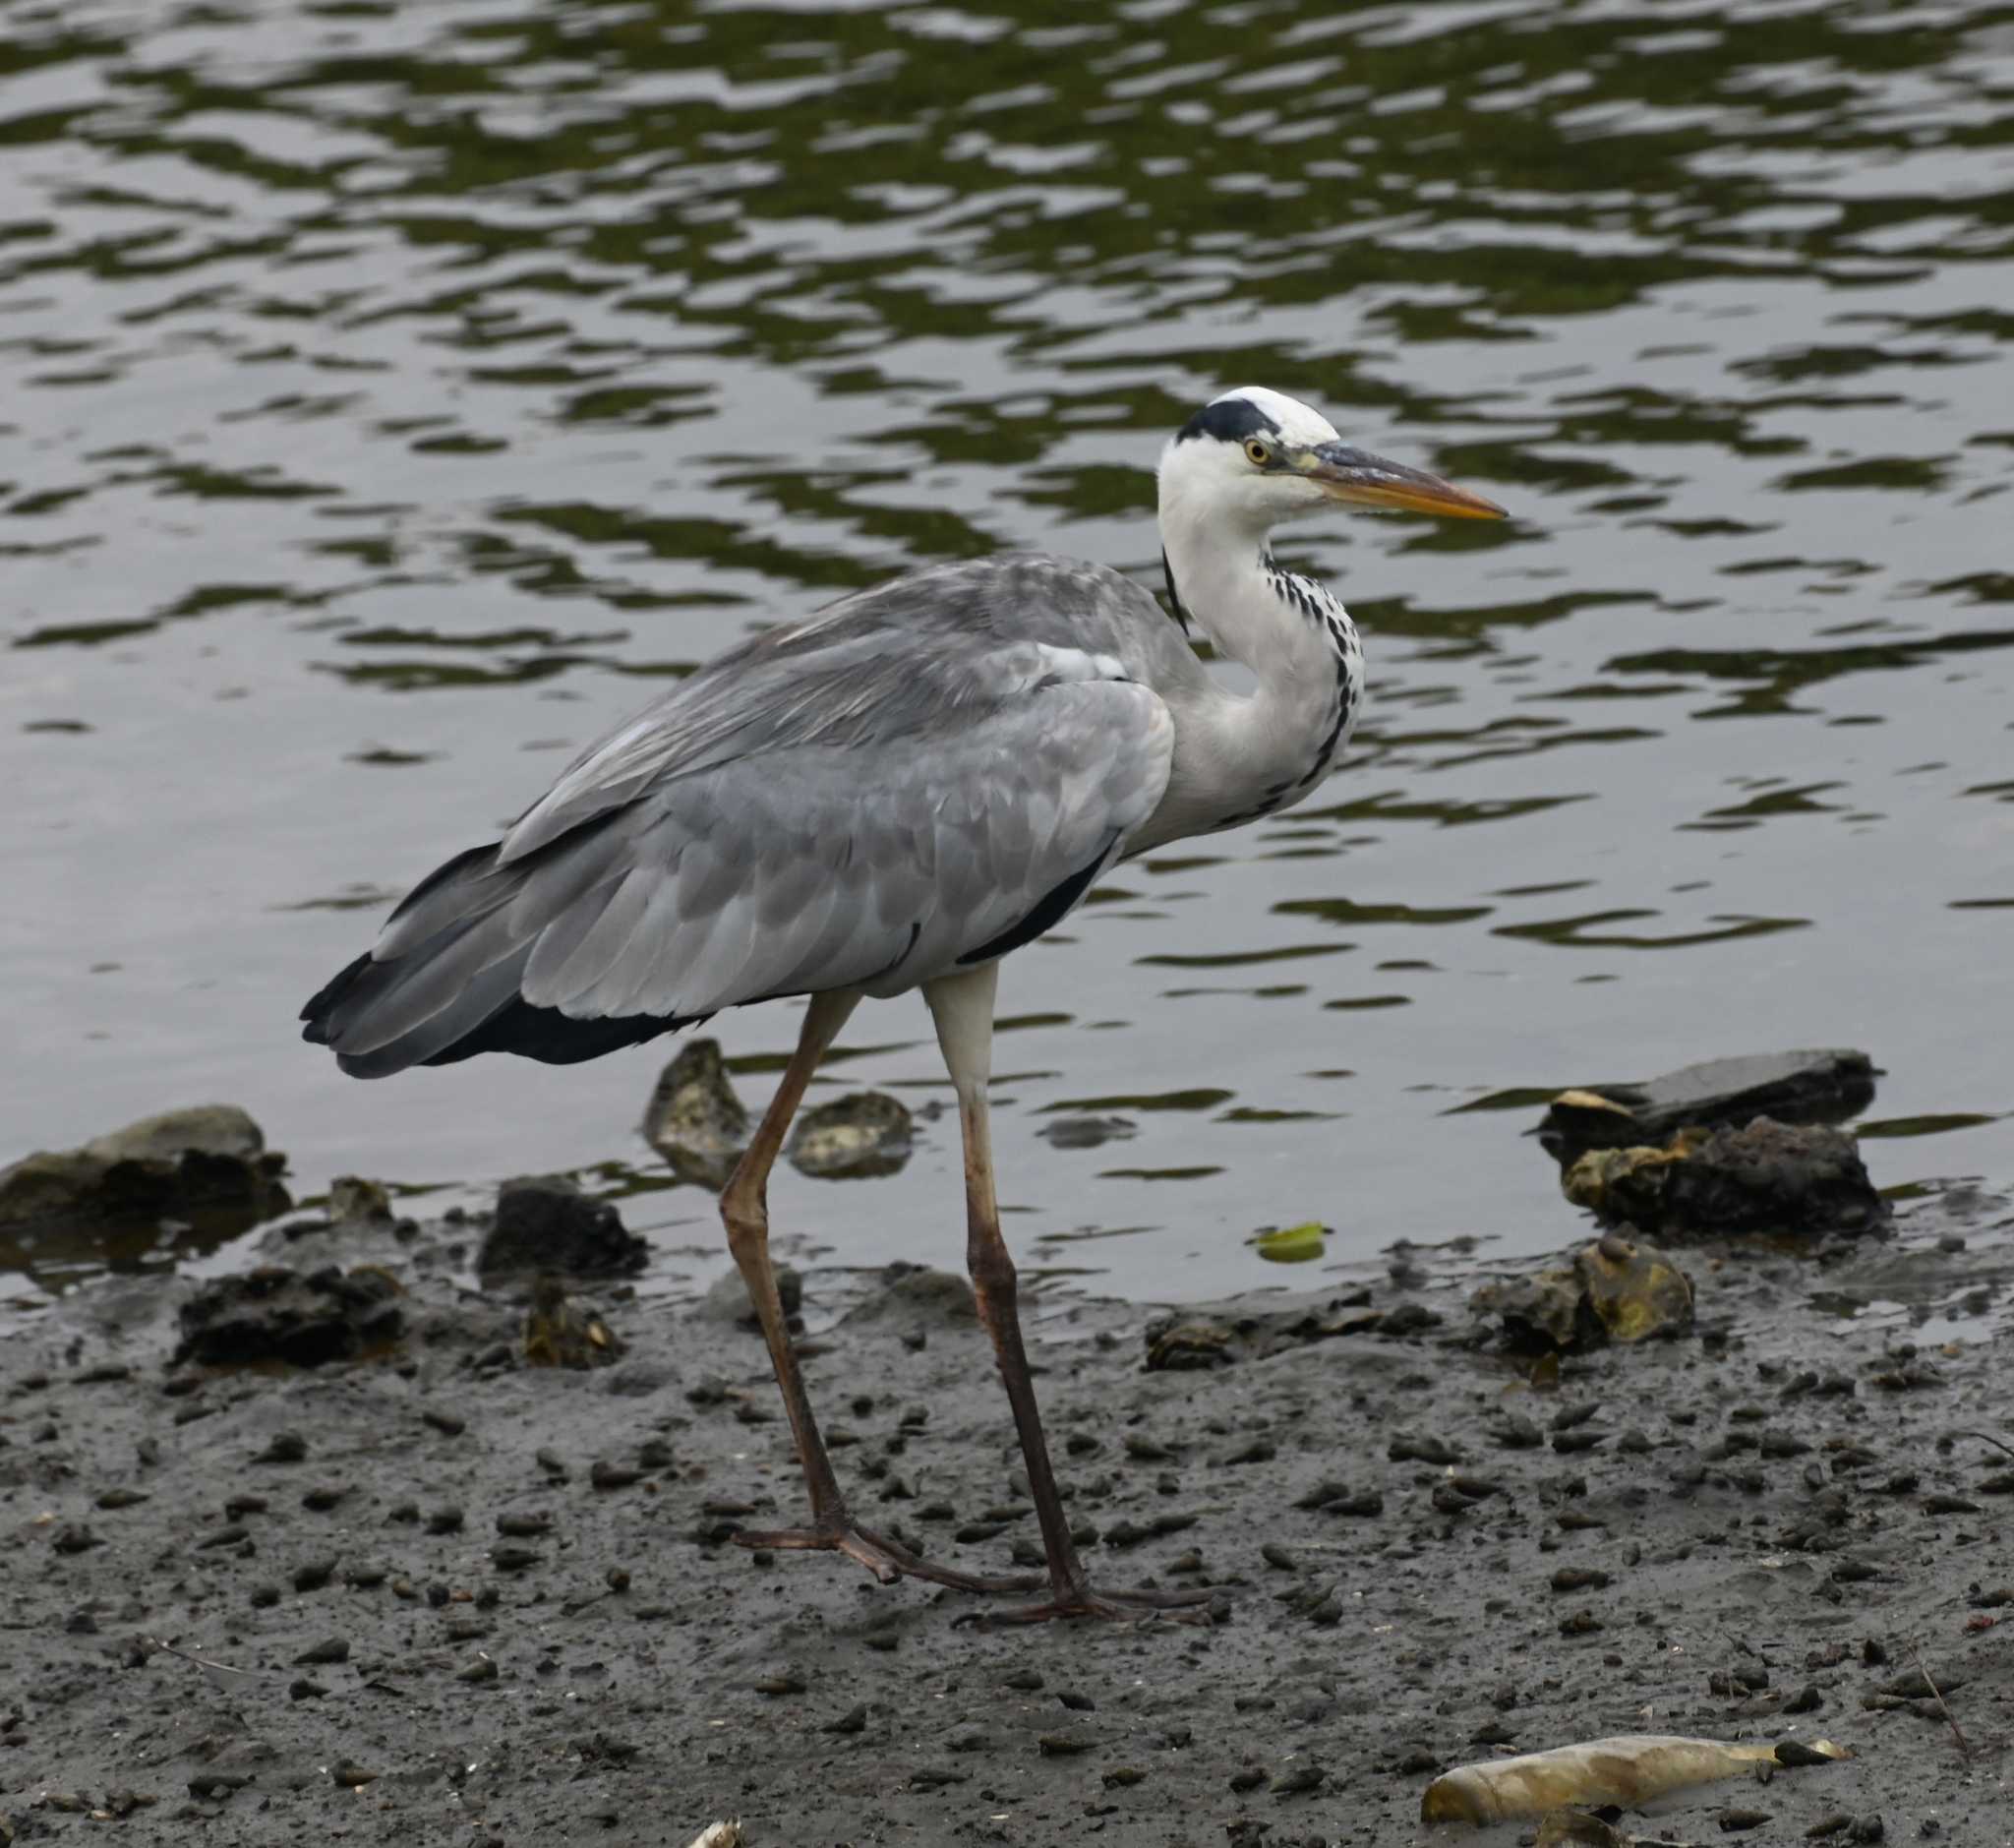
[1765, 1177]
[207, 1161]
[693, 1118]
[305, 1319]
[547, 1224]
[1820, 1087]
[856, 1137]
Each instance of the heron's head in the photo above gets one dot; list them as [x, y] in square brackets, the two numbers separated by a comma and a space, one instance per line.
[1252, 458]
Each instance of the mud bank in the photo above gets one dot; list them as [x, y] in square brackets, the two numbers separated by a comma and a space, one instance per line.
[438, 1595]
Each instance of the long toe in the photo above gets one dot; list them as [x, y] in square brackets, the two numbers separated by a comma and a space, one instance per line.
[888, 1560]
[1132, 1606]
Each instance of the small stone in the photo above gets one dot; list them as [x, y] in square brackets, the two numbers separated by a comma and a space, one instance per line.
[302, 1688]
[852, 1720]
[447, 1423]
[1062, 1744]
[607, 1476]
[330, 1650]
[287, 1446]
[314, 1574]
[482, 1670]
[446, 1519]
[351, 1776]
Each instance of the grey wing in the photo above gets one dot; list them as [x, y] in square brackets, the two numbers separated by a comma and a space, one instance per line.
[849, 811]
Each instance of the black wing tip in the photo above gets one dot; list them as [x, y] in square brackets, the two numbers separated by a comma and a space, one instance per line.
[325, 1000]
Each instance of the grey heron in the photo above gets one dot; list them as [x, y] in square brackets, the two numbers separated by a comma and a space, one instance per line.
[894, 794]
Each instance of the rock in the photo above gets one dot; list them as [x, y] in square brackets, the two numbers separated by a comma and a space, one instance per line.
[693, 1118]
[1765, 1177]
[1194, 1339]
[545, 1224]
[852, 1138]
[728, 1299]
[1614, 1289]
[351, 1197]
[562, 1331]
[210, 1161]
[916, 1296]
[1790, 1087]
[278, 1314]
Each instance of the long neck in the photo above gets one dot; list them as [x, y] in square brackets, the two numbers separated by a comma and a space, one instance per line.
[1239, 757]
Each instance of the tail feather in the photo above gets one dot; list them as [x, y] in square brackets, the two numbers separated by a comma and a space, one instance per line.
[445, 978]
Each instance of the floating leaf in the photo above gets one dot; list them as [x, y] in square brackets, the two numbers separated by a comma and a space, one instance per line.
[1291, 1244]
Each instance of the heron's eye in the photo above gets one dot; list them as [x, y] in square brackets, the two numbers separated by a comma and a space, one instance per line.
[1258, 453]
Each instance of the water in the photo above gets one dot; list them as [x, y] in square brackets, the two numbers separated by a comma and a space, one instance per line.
[396, 390]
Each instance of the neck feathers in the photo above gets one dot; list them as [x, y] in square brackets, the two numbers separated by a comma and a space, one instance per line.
[1237, 758]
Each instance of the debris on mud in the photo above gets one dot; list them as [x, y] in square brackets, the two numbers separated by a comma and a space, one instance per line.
[547, 1224]
[856, 1137]
[210, 1161]
[1628, 1773]
[304, 1319]
[1613, 1290]
[1206, 1337]
[1814, 1087]
[1763, 1177]
[562, 1331]
[693, 1118]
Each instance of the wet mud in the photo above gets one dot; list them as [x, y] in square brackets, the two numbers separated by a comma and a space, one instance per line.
[438, 1593]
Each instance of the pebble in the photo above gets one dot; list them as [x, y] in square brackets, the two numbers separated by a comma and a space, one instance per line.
[606, 1475]
[314, 1574]
[1297, 1778]
[852, 1720]
[131, 1498]
[330, 1650]
[444, 1521]
[447, 1423]
[1062, 1744]
[302, 1688]
[287, 1446]
[325, 1496]
[483, 1669]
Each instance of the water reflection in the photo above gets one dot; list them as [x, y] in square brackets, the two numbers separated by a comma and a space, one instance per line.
[517, 356]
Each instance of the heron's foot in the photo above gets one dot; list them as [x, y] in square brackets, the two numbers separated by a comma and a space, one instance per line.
[1143, 1605]
[888, 1560]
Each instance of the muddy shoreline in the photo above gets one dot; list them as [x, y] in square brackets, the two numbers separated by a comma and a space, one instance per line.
[439, 1595]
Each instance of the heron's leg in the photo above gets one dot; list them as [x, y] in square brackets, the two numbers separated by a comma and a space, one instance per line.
[745, 1206]
[963, 1006]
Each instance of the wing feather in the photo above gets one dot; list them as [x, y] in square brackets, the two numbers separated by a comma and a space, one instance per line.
[860, 802]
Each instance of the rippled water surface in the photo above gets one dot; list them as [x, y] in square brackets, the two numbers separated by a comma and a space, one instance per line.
[396, 390]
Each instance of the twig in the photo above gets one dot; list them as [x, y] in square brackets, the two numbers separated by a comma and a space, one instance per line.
[1987, 1436]
[203, 1661]
[1963, 1746]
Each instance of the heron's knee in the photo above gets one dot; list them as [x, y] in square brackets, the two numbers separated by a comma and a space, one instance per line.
[993, 1269]
[746, 1218]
